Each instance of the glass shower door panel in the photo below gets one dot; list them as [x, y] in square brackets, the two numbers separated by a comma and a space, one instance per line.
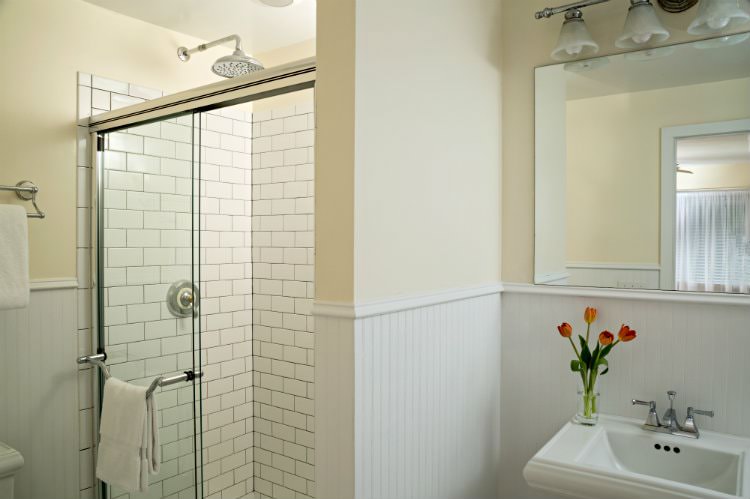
[227, 308]
[148, 235]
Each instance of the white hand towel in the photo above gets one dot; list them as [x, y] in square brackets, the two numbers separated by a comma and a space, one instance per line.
[14, 257]
[129, 445]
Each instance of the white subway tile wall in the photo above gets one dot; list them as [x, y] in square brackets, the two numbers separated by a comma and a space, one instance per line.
[97, 95]
[226, 308]
[283, 259]
[148, 245]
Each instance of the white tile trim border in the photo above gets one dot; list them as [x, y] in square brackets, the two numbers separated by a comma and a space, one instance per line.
[47, 284]
[629, 294]
[397, 304]
[380, 307]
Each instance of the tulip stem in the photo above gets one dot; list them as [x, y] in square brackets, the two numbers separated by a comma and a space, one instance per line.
[575, 349]
[588, 330]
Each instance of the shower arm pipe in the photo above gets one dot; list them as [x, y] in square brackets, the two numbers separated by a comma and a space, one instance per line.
[184, 53]
[551, 11]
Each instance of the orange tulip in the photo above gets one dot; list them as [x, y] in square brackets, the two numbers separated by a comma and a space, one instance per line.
[589, 315]
[606, 338]
[565, 330]
[626, 334]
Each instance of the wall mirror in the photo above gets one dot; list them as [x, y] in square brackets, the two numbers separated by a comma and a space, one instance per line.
[643, 169]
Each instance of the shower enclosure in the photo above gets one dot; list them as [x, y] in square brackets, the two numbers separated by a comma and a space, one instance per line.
[204, 266]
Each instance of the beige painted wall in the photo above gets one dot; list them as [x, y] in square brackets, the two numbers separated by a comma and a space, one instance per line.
[43, 44]
[427, 146]
[334, 151]
[407, 190]
[526, 43]
[715, 177]
[614, 164]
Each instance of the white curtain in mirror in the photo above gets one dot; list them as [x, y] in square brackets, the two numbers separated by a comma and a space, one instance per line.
[712, 251]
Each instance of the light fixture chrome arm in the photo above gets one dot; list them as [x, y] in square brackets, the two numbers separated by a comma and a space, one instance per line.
[551, 11]
[184, 53]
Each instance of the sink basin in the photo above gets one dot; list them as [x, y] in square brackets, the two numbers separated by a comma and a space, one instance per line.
[618, 459]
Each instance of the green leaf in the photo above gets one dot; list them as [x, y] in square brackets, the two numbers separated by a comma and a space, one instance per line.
[606, 350]
[603, 362]
[596, 352]
[585, 352]
[575, 366]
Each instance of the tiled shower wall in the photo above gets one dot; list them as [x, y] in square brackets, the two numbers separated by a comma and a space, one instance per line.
[148, 240]
[226, 302]
[283, 291]
[148, 236]
[95, 95]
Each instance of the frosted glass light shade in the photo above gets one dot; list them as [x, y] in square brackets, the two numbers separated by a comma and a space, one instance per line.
[715, 16]
[574, 42]
[642, 26]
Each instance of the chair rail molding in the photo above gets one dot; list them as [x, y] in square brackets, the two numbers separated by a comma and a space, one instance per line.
[348, 310]
[628, 294]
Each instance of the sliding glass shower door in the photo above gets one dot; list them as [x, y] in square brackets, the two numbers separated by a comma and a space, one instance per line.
[205, 265]
[149, 294]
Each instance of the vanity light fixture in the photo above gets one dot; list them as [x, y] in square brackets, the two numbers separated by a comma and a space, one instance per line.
[642, 26]
[715, 16]
[575, 40]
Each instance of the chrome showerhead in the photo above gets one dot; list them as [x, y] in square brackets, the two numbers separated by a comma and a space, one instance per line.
[229, 66]
[237, 64]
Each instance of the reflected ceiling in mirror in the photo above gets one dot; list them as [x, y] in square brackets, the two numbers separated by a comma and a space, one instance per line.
[643, 169]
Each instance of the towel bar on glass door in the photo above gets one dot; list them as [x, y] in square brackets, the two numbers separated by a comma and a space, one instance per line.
[99, 358]
[26, 190]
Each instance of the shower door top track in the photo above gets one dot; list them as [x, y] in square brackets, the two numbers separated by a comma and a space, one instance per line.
[286, 78]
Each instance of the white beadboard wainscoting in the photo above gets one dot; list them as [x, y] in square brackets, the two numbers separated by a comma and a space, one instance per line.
[408, 399]
[39, 390]
[694, 344]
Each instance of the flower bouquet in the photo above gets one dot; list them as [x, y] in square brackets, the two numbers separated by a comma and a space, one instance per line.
[590, 364]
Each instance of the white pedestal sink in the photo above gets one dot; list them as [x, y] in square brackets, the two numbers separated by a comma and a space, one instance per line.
[618, 459]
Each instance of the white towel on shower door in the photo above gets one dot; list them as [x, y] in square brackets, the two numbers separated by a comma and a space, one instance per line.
[14, 257]
[129, 446]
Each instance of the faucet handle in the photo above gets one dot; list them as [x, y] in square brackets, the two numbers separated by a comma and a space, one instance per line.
[689, 427]
[653, 418]
[691, 411]
[671, 394]
[650, 403]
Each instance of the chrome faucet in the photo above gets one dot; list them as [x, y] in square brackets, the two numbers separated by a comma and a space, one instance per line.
[689, 429]
[670, 416]
[652, 420]
[670, 424]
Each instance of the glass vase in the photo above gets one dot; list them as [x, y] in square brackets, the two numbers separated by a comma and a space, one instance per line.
[588, 404]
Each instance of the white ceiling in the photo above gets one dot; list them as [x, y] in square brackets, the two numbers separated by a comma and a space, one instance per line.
[714, 150]
[262, 28]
